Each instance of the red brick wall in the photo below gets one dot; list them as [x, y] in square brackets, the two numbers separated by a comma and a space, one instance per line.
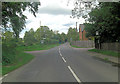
[82, 35]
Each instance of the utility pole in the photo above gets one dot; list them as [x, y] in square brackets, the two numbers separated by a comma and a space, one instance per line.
[40, 23]
[76, 26]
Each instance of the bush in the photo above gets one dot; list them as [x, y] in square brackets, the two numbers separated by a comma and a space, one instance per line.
[8, 52]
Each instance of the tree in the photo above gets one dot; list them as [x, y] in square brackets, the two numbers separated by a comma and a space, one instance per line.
[29, 38]
[105, 23]
[82, 8]
[8, 47]
[8, 36]
[63, 37]
[44, 33]
[12, 14]
[72, 34]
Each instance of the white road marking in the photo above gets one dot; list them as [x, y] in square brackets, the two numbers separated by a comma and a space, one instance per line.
[3, 77]
[6, 75]
[78, 80]
[60, 54]
[63, 59]
[59, 50]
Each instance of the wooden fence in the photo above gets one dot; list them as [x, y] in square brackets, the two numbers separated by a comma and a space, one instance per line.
[111, 46]
[86, 44]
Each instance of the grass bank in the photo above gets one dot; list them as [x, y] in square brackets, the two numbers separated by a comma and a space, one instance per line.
[37, 47]
[21, 58]
[77, 46]
[106, 52]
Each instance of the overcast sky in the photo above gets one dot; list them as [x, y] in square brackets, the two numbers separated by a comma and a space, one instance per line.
[52, 13]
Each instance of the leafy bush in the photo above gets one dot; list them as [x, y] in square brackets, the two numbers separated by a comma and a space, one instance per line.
[8, 52]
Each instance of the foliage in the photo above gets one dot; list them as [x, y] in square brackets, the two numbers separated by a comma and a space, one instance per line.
[13, 17]
[43, 35]
[8, 52]
[36, 47]
[8, 45]
[105, 19]
[72, 34]
[29, 38]
[82, 8]
[21, 59]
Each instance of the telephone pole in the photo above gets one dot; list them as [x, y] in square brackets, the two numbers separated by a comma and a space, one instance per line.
[40, 23]
[76, 26]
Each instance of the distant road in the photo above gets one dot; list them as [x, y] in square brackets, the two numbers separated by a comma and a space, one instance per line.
[64, 64]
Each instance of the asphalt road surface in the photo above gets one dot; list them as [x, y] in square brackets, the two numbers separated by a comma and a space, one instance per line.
[64, 64]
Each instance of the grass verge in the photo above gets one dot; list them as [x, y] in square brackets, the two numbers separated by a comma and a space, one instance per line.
[106, 52]
[77, 46]
[36, 47]
[23, 58]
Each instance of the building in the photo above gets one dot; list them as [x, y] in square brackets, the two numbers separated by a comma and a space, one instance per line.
[82, 32]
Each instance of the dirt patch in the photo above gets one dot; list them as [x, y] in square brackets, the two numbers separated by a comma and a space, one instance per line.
[39, 51]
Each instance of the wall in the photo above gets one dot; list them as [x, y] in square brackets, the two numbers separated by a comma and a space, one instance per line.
[88, 43]
[84, 35]
[111, 46]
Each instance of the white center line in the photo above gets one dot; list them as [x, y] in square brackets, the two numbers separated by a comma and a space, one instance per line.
[63, 59]
[59, 50]
[78, 80]
[60, 54]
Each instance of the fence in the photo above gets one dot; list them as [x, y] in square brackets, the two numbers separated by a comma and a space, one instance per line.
[87, 44]
[111, 46]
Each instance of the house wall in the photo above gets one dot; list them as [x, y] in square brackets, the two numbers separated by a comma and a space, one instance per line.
[82, 33]
[84, 36]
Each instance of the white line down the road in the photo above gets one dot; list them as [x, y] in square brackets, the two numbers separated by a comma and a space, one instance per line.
[78, 80]
[59, 50]
[63, 59]
[60, 54]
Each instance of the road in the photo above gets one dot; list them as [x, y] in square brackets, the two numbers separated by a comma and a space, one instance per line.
[64, 64]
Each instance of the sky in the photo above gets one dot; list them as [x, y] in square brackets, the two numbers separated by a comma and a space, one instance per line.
[52, 13]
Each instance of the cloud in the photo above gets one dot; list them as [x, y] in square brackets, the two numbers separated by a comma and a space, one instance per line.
[52, 13]
[54, 10]
[68, 24]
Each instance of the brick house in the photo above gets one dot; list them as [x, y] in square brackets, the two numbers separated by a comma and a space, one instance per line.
[82, 32]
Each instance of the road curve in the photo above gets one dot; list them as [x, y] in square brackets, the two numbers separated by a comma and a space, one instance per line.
[63, 64]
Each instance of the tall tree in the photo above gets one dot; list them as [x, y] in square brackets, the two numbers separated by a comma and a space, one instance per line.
[12, 14]
[29, 38]
[72, 34]
[105, 19]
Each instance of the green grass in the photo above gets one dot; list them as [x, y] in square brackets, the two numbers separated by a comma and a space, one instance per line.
[78, 46]
[37, 47]
[106, 52]
[23, 58]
